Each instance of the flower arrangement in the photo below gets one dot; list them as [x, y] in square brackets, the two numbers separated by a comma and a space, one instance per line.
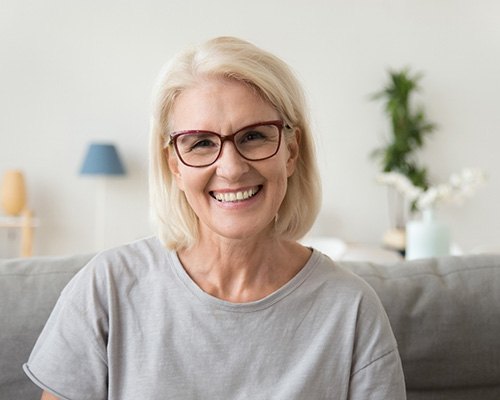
[460, 186]
[410, 187]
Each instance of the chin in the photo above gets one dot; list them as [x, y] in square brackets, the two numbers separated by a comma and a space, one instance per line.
[241, 233]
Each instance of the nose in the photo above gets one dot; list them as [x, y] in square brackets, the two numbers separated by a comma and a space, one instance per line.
[230, 164]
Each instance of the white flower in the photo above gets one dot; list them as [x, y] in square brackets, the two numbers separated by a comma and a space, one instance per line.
[401, 183]
[427, 198]
[458, 187]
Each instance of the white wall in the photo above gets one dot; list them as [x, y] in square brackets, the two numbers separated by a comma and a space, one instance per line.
[74, 71]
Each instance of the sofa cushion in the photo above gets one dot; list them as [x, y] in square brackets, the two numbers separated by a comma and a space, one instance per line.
[29, 289]
[445, 314]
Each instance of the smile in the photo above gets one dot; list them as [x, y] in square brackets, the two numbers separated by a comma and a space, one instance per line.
[230, 197]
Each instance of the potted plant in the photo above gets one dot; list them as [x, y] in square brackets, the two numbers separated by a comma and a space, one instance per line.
[409, 128]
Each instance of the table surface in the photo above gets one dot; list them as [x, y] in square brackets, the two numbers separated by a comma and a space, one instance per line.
[339, 250]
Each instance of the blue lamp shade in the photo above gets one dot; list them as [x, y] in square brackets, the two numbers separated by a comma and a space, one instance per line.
[102, 159]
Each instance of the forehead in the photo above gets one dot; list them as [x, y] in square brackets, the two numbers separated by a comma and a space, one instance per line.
[219, 105]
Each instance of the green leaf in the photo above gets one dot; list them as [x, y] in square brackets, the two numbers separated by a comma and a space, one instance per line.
[409, 126]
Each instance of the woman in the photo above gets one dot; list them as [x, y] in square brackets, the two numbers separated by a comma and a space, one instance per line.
[224, 304]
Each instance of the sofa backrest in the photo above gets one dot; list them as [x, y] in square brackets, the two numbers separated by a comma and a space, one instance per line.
[29, 289]
[445, 314]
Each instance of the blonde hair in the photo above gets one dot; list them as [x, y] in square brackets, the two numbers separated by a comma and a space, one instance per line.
[230, 58]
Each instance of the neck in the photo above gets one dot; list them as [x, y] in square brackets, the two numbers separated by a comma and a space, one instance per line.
[241, 270]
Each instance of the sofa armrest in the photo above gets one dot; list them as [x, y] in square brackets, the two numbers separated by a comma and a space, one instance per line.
[29, 289]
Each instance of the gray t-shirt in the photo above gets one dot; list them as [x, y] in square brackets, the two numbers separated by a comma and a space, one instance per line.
[133, 325]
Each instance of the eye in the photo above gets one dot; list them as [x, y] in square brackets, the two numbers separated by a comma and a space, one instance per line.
[202, 143]
[252, 136]
[197, 142]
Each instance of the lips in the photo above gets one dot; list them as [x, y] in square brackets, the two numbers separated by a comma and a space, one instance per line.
[231, 197]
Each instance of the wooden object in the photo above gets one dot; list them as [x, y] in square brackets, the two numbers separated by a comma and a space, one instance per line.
[27, 234]
[13, 193]
[26, 223]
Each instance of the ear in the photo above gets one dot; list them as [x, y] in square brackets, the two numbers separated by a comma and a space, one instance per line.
[173, 165]
[293, 152]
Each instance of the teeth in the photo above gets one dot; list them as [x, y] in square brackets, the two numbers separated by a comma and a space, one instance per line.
[236, 196]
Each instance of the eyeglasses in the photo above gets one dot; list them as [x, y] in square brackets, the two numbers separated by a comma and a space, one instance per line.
[196, 148]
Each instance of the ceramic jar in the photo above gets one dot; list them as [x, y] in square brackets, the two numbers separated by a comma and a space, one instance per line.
[13, 192]
[427, 237]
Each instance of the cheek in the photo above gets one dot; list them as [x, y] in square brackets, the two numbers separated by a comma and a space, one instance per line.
[192, 182]
[184, 182]
[179, 181]
[281, 181]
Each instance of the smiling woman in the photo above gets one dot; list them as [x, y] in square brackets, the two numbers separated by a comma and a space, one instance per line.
[225, 303]
[270, 80]
[227, 173]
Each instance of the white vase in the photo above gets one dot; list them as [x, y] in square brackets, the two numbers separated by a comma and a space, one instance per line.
[427, 238]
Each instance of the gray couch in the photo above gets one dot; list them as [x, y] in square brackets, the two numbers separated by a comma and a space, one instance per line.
[445, 314]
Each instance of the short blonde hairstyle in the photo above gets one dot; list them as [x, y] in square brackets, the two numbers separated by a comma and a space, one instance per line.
[235, 59]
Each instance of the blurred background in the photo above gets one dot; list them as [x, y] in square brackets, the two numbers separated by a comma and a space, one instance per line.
[74, 72]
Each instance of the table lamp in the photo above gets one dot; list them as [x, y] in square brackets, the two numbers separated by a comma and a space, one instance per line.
[101, 161]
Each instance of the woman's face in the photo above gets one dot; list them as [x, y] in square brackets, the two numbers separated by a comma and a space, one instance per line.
[233, 198]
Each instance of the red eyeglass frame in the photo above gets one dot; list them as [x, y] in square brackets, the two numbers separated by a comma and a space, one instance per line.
[280, 124]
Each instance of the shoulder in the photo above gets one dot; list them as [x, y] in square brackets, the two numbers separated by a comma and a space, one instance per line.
[360, 306]
[148, 251]
[120, 266]
[344, 292]
[335, 278]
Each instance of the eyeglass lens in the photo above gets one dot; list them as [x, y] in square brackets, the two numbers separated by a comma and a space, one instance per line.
[200, 148]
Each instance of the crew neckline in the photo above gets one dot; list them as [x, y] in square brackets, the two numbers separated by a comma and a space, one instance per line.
[251, 306]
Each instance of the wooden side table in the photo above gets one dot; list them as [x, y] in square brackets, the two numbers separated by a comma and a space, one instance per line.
[26, 223]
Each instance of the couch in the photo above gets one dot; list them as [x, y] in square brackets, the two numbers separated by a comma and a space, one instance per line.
[445, 313]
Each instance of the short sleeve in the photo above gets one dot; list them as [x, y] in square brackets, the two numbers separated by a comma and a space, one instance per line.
[381, 380]
[377, 372]
[69, 358]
